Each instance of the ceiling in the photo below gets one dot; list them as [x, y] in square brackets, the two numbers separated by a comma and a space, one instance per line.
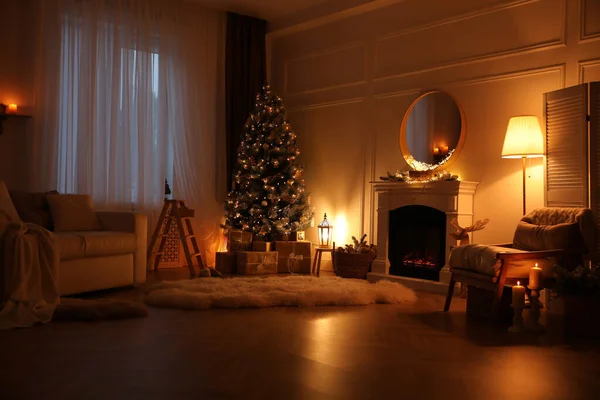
[269, 10]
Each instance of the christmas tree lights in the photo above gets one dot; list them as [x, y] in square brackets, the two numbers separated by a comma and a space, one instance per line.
[268, 196]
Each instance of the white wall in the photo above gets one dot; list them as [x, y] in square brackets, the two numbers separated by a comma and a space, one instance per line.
[347, 81]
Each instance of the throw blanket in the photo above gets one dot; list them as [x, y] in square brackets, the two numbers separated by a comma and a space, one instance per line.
[28, 275]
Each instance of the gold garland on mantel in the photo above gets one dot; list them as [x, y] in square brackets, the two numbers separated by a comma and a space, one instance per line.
[419, 176]
[422, 172]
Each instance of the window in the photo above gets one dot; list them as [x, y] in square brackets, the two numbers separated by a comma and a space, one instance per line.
[113, 137]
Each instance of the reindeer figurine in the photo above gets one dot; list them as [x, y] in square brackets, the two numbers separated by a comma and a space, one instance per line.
[462, 234]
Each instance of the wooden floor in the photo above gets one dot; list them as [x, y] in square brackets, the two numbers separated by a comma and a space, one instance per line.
[370, 352]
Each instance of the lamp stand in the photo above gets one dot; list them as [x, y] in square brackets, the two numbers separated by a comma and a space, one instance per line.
[524, 189]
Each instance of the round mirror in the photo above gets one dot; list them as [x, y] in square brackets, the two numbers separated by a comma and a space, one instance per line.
[432, 131]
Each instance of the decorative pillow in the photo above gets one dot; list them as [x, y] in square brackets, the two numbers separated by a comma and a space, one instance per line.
[33, 207]
[531, 237]
[73, 212]
[7, 205]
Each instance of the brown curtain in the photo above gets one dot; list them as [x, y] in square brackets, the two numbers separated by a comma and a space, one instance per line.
[246, 72]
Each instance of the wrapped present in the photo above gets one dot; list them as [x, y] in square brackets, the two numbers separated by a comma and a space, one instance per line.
[256, 262]
[293, 257]
[297, 236]
[262, 246]
[238, 240]
[226, 262]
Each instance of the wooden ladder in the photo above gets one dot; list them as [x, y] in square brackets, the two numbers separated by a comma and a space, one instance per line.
[175, 212]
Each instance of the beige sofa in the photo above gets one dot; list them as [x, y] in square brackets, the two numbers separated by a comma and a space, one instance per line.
[112, 256]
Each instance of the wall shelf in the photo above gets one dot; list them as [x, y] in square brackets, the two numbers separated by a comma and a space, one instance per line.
[4, 117]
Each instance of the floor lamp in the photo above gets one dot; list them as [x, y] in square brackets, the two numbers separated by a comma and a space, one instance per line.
[523, 140]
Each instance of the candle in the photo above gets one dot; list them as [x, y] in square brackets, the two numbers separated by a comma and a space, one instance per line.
[535, 277]
[518, 295]
[12, 109]
[436, 151]
[444, 150]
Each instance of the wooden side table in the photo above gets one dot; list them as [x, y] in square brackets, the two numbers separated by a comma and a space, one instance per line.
[316, 267]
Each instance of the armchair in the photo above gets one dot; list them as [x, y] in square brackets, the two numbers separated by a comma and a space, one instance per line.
[542, 236]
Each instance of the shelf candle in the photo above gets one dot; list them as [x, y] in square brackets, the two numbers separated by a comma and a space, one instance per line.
[12, 109]
[436, 151]
[444, 150]
[518, 295]
[535, 277]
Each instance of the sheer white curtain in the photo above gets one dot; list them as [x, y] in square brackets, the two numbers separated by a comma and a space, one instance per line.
[197, 69]
[128, 94]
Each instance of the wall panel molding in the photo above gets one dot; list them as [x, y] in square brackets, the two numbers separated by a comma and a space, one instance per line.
[584, 34]
[325, 105]
[296, 68]
[557, 40]
[457, 18]
[505, 75]
[314, 23]
[401, 93]
[363, 150]
[560, 68]
[587, 65]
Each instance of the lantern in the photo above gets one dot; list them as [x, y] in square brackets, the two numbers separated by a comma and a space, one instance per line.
[325, 231]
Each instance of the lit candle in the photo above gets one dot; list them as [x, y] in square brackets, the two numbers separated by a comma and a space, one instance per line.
[12, 109]
[518, 295]
[535, 277]
[444, 150]
[436, 151]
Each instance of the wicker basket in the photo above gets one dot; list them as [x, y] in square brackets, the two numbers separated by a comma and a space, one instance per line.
[349, 265]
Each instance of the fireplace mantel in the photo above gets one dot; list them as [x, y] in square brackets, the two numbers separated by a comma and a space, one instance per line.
[454, 198]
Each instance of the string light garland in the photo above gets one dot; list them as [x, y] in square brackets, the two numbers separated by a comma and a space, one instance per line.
[268, 194]
[423, 177]
[422, 172]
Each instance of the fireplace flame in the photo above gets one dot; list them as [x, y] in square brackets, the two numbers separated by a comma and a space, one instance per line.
[416, 260]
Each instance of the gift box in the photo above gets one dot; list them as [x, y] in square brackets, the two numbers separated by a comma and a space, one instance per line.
[226, 262]
[293, 257]
[262, 246]
[256, 262]
[238, 240]
[296, 236]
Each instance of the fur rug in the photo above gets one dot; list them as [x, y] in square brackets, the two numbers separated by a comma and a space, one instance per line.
[299, 291]
[71, 309]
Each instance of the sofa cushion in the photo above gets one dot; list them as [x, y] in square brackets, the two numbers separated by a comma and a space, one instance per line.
[482, 259]
[477, 258]
[6, 205]
[94, 244]
[108, 243]
[73, 212]
[33, 207]
[70, 245]
[532, 237]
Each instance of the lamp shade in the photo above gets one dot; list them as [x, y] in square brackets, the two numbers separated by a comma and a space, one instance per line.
[523, 138]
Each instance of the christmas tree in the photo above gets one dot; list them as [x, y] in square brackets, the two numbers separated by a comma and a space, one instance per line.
[268, 195]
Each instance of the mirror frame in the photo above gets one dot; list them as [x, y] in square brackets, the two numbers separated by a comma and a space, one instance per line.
[461, 139]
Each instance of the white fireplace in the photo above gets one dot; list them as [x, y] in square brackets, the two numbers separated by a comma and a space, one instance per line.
[453, 198]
